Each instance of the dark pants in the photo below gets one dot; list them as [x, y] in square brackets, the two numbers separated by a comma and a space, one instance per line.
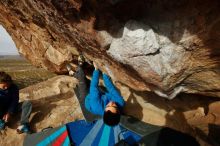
[82, 87]
[25, 108]
[81, 90]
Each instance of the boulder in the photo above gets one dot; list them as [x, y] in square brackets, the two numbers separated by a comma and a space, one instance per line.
[198, 117]
[162, 46]
[151, 48]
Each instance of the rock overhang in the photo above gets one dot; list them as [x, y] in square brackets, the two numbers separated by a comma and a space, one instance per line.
[162, 46]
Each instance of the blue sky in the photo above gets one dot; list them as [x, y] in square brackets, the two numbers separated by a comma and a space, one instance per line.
[7, 46]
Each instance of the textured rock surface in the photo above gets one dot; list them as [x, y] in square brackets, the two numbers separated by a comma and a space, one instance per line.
[154, 57]
[163, 46]
[52, 101]
[198, 116]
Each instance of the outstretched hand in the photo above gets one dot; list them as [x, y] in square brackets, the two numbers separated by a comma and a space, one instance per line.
[6, 117]
[105, 70]
[95, 66]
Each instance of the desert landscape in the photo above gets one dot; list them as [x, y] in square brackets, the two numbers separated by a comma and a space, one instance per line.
[22, 72]
[51, 95]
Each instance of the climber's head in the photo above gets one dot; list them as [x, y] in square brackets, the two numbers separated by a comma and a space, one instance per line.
[112, 114]
[5, 80]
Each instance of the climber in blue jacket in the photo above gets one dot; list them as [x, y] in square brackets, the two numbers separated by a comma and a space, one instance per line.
[108, 104]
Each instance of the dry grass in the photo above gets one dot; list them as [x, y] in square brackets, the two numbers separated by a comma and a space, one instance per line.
[23, 73]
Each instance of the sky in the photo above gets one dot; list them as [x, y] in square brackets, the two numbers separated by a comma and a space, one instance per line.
[7, 46]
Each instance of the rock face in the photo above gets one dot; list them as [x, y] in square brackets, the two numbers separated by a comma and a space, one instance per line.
[155, 58]
[52, 101]
[193, 114]
[163, 46]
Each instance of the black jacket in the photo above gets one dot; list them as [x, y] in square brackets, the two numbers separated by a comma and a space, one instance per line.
[9, 99]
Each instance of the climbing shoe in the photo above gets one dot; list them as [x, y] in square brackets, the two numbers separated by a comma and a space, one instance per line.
[2, 124]
[69, 68]
[47, 128]
[81, 59]
[24, 128]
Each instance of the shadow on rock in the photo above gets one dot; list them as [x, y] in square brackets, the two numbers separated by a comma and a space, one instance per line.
[134, 107]
[181, 113]
[213, 132]
[42, 108]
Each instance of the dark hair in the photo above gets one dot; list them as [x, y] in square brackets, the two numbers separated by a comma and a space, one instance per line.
[5, 78]
[111, 119]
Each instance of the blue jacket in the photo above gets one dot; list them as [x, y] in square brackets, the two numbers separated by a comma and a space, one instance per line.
[96, 101]
[9, 99]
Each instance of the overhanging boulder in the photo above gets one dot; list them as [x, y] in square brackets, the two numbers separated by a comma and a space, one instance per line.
[162, 46]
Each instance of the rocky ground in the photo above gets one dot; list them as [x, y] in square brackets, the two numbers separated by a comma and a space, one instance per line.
[54, 104]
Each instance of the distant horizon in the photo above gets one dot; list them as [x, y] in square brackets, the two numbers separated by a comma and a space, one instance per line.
[7, 45]
[10, 55]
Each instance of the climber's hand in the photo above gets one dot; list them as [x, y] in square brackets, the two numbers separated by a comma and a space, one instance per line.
[95, 66]
[6, 117]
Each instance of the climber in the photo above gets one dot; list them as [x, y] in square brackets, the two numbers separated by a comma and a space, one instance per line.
[9, 104]
[108, 104]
